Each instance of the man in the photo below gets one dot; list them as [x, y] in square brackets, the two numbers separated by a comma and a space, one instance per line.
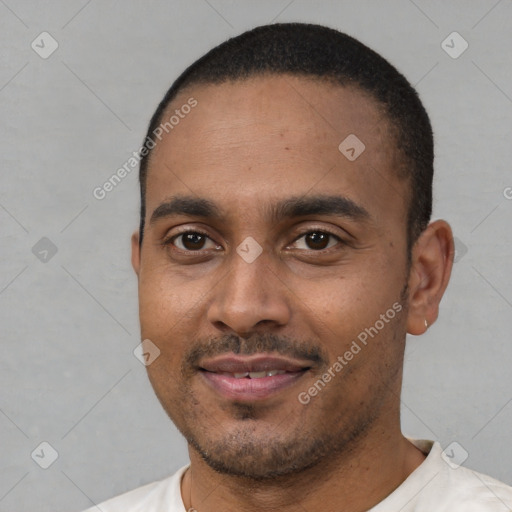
[284, 253]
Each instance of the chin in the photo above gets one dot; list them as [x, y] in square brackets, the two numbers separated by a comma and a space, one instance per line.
[253, 451]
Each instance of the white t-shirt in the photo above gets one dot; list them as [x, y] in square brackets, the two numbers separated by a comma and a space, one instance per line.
[434, 486]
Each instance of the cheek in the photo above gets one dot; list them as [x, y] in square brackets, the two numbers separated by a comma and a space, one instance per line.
[363, 333]
[352, 309]
[161, 320]
[161, 303]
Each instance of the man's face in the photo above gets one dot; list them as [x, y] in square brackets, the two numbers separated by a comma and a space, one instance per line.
[333, 265]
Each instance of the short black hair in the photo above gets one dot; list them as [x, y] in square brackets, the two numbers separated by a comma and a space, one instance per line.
[321, 52]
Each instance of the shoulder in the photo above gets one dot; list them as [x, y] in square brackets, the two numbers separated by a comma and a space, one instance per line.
[460, 489]
[150, 497]
[471, 491]
[442, 485]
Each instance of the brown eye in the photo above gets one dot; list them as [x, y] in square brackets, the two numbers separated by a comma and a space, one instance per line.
[316, 240]
[192, 241]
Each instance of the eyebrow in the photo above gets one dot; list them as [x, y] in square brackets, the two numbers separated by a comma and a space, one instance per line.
[297, 206]
[186, 205]
[318, 205]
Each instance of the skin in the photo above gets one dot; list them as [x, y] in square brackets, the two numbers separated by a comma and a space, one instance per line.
[246, 146]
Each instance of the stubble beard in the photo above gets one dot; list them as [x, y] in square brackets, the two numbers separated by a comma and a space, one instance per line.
[257, 452]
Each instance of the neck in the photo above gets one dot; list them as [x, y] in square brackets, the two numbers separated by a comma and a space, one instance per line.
[375, 466]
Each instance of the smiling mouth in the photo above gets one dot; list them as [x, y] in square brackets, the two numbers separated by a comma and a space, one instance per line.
[258, 377]
[254, 375]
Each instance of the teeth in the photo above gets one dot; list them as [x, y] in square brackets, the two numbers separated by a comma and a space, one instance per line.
[271, 373]
[255, 375]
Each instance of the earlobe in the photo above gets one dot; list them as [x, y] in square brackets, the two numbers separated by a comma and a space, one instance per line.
[135, 252]
[432, 259]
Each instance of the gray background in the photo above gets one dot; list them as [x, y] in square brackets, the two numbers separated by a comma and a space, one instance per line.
[69, 324]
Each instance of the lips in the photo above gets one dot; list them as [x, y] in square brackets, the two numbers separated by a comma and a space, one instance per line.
[249, 378]
[255, 375]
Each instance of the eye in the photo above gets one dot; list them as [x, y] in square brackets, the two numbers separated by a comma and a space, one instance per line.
[192, 241]
[317, 240]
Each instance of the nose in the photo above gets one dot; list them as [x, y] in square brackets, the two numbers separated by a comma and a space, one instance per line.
[249, 297]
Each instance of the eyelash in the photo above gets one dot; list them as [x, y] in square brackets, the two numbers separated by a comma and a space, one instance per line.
[169, 240]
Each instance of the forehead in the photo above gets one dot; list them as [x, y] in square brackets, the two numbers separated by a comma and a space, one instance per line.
[301, 106]
[274, 134]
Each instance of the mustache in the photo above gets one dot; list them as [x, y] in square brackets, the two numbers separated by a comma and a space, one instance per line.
[257, 343]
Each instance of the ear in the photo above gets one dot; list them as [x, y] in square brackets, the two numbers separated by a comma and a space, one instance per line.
[431, 267]
[136, 252]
